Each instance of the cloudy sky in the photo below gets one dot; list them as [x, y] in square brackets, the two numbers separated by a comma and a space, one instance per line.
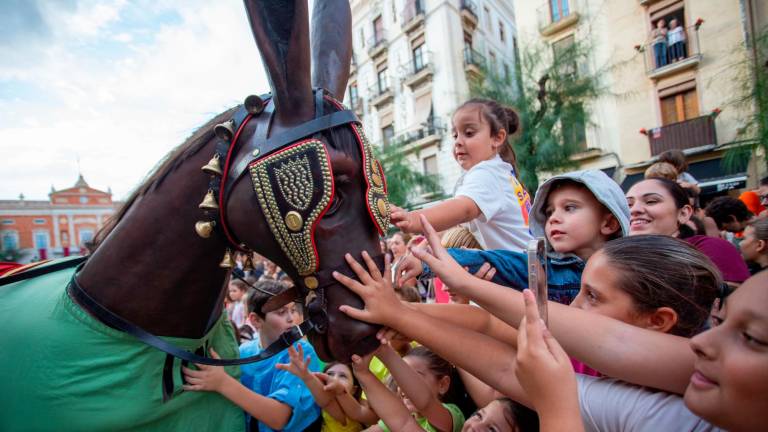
[115, 83]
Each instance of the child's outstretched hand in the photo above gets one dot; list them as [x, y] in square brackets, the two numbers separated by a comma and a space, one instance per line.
[361, 365]
[408, 268]
[407, 222]
[381, 303]
[440, 261]
[543, 367]
[206, 377]
[299, 365]
[331, 385]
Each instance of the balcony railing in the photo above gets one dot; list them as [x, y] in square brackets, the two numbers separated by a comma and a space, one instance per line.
[662, 59]
[427, 133]
[553, 20]
[687, 134]
[418, 69]
[473, 57]
[412, 14]
[381, 92]
[377, 43]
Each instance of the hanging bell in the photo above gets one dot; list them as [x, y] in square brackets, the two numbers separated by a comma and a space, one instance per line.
[209, 202]
[254, 104]
[248, 264]
[213, 166]
[225, 130]
[204, 229]
[227, 261]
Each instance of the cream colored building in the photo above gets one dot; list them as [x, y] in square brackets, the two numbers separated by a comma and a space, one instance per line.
[410, 67]
[654, 104]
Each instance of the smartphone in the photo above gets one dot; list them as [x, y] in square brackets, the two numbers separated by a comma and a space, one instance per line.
[537, 273]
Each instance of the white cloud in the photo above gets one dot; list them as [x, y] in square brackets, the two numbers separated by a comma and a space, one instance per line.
[121, 113]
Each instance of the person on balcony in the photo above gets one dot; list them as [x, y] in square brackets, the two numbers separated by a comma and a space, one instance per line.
[659, 43]
[676, 39]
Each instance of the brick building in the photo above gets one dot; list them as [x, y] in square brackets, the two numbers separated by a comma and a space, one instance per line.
[61, 226]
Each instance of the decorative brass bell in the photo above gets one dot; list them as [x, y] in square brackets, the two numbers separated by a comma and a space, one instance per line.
[248, 264]
[213, 166]
[225, 130]
[227, 261]
[204, 229]
[209, 202]
[254, 104]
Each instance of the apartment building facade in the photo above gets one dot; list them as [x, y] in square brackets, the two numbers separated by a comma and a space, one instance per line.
[412, 59]
[659, 97]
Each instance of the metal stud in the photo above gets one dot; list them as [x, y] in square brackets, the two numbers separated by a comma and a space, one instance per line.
[311, 282]
[293, 221]
[381, 205]
[255, 152]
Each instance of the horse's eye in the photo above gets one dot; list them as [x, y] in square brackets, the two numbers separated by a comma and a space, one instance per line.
[335, 203]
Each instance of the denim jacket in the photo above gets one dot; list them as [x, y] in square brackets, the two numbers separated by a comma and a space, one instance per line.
[563, 272]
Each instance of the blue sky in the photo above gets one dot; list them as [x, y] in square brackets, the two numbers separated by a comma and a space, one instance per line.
[115, 83]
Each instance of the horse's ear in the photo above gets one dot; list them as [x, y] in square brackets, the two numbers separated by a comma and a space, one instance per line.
[331, 45]
[281, 30]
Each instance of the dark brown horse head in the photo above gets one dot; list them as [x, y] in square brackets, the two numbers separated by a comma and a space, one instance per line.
[316, 190]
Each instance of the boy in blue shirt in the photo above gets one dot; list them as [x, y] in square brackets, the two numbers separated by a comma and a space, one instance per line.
[275, 399]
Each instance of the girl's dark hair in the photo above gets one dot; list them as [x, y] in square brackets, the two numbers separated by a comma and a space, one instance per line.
[686, 230]
[457, 393]
[676, 158]
[661, 271]
[358, 390]
[520, 417]
[499, 117]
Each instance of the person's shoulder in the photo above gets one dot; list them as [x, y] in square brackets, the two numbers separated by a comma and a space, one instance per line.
[704, 241]
[250, 348]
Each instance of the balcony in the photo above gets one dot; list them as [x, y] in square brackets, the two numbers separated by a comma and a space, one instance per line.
[377, 44]
[468, 14]
[665, 61]
[474, 63]
[381, 93]
[357, 105]
[353, 65]
[418, 71]
[688, 134]
[427, 134]
[413, 15]
[553, 21]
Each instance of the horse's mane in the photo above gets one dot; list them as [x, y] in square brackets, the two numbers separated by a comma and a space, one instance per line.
[165, 166]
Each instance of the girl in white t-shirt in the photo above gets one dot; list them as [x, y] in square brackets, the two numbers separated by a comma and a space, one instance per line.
[488, 198]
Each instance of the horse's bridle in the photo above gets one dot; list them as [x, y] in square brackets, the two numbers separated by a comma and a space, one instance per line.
[291, 160]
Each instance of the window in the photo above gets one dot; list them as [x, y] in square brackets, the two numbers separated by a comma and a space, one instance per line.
[381, 81]
[492, 56]
[86, 236]
[41, 240]
[362, 37]
[429, 164]
[564, 53]
[679, 106]
[83, 200]
[575, 130]
[507, 76]
[559, 9]
[501, 31]
[387, 134]
[378, 30]
[8, 222]
[39, 221]
[353, 95]
[418, 58]
[679, 37]
[10, 240]
[487, 17]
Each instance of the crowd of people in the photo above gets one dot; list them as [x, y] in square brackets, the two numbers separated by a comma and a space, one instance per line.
[657, 316]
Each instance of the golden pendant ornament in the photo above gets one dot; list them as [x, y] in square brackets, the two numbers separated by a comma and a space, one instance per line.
[204, 229]
[293, 221]
[311, 282]
[209, 202]
[213, 166]
[227, 261]
[382, 206]
[377, 180]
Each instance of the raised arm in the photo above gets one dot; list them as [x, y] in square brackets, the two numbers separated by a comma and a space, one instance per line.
[389, 407]
[447, 214]
[413, 386]
[598, 341]
[299, 366]
[454, 343]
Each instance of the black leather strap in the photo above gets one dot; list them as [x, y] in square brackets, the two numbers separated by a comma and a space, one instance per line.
[107, 317]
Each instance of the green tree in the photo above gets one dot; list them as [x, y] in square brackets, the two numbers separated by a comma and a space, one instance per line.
[405, 184]
[753, 101]
[551, 94]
